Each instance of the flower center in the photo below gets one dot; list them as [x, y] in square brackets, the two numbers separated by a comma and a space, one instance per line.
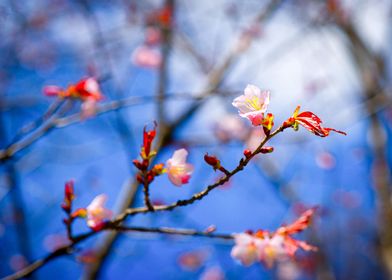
[253, 103]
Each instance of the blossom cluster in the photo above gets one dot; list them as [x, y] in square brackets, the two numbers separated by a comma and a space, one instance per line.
[178, 170]
[95, 213]
[253, 105]
[86, 90]
[267, 247]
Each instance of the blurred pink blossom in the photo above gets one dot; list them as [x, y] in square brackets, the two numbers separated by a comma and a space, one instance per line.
[152, 36]
[213, 273]
[255, 137]
[89, 108]
[52, 90]
[247, 248]
[230, 127]
[145, 56]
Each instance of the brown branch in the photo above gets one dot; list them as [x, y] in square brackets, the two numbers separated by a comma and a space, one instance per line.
[35, 124]
[174, 231]
[65, 250]
[13, 148]
[198, 196]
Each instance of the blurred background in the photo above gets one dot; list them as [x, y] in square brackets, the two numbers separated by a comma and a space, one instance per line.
[182, 63]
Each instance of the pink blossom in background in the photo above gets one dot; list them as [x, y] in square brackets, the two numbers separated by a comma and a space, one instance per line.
[325, 160]
[89, 108]
[193, 260]
[53, 90]
[152, 36]
[97, 214]
[213, 273]
[145, 56]
[178, 170]
[252, 104]
[54, 241]
[230, 127]
[288, 270]
[255, 137]
[18, 262]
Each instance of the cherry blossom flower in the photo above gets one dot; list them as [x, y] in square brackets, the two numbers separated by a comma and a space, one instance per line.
[252, 104]
[247, 248]
[146, 56]
[86, 90]
[97, 214]
[178, 170]
[274, 249]
[269, 247]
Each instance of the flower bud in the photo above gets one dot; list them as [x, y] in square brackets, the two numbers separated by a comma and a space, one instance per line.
[139, 178]
[212, 160]
[247, 153]
[137, 164]
[158, 169]
[66, 207]
[79, 213]
[266, 150]
[69, 191]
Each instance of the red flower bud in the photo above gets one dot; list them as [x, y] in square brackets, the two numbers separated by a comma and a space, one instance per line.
[139, 165]
[158, 169]
[69, 190]
[69, 196]
[212, 160]
[288, 123]
[266, 150]
[148, 137]
[268, 123]
[98, 226]
[79, 213]
[66, 207]
[247, 153]
[210, 229]
[139, 178]
[150, 177]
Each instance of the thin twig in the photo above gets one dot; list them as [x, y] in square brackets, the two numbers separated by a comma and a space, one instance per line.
[174, 231]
